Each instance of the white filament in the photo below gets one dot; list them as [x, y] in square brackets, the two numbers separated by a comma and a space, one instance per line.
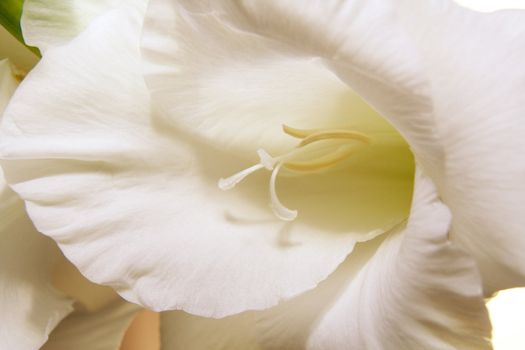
[230, 182]
[265, 161]
[278, 208]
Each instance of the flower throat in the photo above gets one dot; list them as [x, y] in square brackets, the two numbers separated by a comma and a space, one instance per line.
[318, 150]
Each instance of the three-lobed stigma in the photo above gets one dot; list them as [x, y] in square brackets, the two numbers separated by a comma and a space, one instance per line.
[318, 150]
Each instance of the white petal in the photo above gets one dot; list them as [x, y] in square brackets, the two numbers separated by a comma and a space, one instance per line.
[134, 204]
[475, 63]
[48, 23]
[29, 306]
[102, 330]
[414, 290]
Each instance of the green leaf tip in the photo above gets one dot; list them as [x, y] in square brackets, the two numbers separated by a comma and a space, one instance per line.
[10, 15]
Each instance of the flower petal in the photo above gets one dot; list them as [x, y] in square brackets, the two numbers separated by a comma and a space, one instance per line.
[47, 23]
[475, 63]
[29, 306]
[414, 290]
[134, 204]
[101, 330]
[262, 64]
[213, 80]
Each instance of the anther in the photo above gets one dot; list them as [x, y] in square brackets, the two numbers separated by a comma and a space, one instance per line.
[323, 162]
[299, 133]
[334, 134]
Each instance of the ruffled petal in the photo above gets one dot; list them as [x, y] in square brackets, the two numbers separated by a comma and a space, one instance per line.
[475, 63]
[412, 290]
[133, 202]
[101, 330]
[29, 305]
[48, 23]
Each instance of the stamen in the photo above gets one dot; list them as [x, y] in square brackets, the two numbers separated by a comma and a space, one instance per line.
[331, 154]
[323, 162]
[299, 133]
[335, 134]
[278, 208]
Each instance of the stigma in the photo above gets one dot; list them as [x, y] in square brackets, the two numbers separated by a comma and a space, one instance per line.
[317, 150]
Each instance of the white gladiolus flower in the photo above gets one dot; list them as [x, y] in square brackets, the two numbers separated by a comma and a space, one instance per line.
[117, 139]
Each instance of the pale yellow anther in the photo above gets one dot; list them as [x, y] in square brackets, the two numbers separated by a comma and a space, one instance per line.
[323, 162]
[299, 133]
[335, 134]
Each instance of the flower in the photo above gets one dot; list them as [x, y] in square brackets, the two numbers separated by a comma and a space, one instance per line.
[126, 184]
[39, 289]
